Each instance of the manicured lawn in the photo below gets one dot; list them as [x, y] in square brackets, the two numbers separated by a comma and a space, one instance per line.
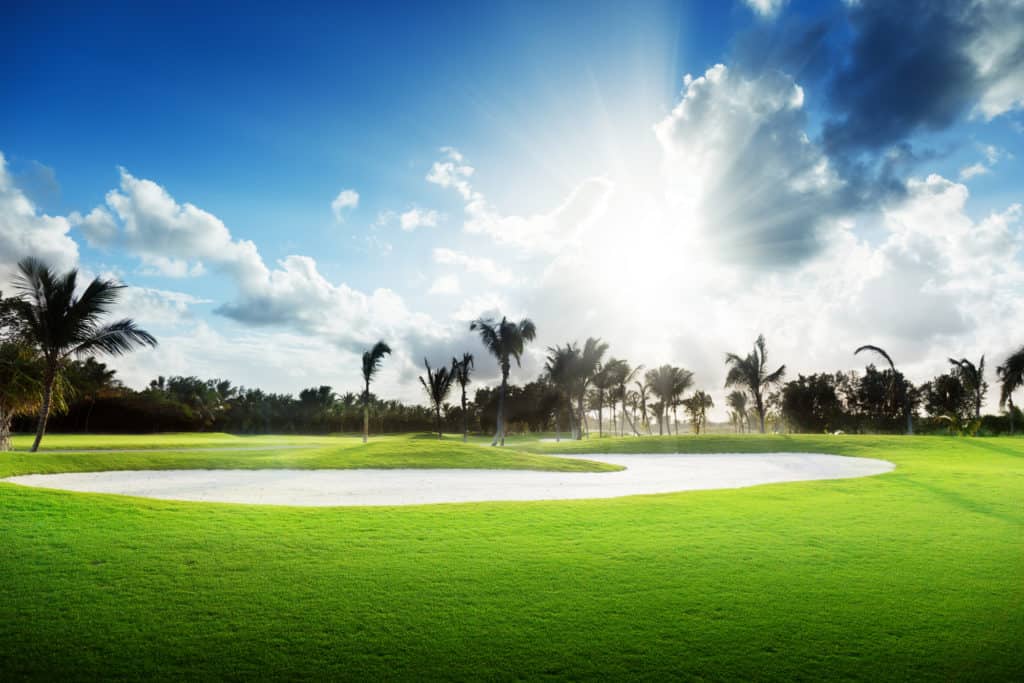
[916, 574]
[176, 440]
[385, 452]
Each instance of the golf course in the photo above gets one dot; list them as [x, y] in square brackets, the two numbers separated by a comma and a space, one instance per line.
[915, 573]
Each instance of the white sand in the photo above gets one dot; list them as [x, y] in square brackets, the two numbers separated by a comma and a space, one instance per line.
[645, 474]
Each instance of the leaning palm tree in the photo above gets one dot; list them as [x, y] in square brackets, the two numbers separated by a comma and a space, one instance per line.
[21, 391]
[907, 409]
[437, 385]
[750, 372]
[372, 360]
[61, 323]
[505, 340]
[1011, 378]
[461, 370]
[973, 378]
[737, 400]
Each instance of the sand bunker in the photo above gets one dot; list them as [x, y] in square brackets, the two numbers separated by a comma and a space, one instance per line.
[655, 473]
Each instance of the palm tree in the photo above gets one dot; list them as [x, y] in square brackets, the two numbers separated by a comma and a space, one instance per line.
[622, 375]
[21, 390]
[681, 381]
[1011, 378]
[892, 384]
[697, 406]
[737, 400]
[437, 385]
[751, 373]
[559, 369]
[461, 369]
[505, 340]
[668, 383]
[61, 324]
[587, 365]
[605, 380]
[973, 377]
[641, 390]
[372, 360]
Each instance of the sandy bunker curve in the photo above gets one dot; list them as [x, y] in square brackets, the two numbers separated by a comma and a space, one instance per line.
[645, 473]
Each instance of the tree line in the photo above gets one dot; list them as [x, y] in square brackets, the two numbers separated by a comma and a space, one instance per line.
[52, 331]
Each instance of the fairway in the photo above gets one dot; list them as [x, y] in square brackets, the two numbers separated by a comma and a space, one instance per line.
[912, 574]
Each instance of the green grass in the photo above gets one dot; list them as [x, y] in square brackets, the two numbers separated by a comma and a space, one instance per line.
[53, 442]
[916, 574]
[384, 452]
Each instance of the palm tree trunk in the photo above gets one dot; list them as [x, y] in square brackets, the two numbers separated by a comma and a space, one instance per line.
[579, 417]
[910, 416]
[600, 417]
[44, 409]
[5, 430]
[437, 413]
[760, 411]
[1011, 400]
[366, 413]
[465, 418]
[499, 435]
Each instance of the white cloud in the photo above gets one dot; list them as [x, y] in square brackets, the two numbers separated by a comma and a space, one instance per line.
[445, 284]
[544, 232]
[742, 173]
[766, 8]
[976, 169]
[478, 265]
[419, 218]
[26, 232]
[345, 201]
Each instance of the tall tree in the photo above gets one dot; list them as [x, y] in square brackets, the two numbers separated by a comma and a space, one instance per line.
[560, 372]
[1011, 378]
[641, 391]
[737, 400]
[604, 380]
[697, 407]
[505, 340]
[437, 384]
[461, 370]
[372, 360]
[750, 372]
[587, 365]
[622, 376]
[973, 377]
[894, 385]
[21, 386]
[61, 324]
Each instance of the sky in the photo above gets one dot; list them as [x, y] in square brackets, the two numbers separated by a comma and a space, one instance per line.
[282, 185]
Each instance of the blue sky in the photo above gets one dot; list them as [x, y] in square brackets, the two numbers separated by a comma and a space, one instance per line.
[701, 211]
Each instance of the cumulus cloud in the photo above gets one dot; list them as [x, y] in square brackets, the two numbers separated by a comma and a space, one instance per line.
[26, 232]
[741, 169]
[345, 201]
[418, 218]
[478, 265]
[543, 232]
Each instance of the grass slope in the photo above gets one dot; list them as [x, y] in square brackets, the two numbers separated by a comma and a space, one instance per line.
[916, 574]
[387, 452]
